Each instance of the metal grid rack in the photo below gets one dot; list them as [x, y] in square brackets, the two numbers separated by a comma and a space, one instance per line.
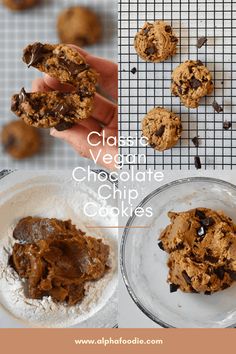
[150, 85]
[17, 29]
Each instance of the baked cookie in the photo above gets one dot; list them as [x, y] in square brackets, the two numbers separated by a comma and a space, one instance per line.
[20, 4]
[59, 261]
[19, 140]
[155, 41]
[79, 25]
[201, 244]
[191, 81]
[57, 109]
[162, 128]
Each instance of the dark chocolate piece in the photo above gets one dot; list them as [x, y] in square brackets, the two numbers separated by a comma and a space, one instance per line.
[150, 50]
[201, 41]
[133, 71]
[232, 274]
[160, 245]
[168, 29]
[197, 162]
[173, 288]
[186, 277]
[217, 107]
[207, 222]
[37, 53]
[199, 63]
[201, 231]
[22, 95]
[220, 272]
[71, 67]
[63, 109]
[200, 214]
[196, 141]
[207, 293]
[210, 258]
[63, 125]
[160, 131]
[227, 125]
[11, 141]
[195, 83]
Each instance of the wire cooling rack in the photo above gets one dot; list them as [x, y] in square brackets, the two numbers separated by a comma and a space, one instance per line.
[150, 85]
[17, 29]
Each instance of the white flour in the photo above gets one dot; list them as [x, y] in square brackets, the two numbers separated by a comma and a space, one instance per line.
[60, 201]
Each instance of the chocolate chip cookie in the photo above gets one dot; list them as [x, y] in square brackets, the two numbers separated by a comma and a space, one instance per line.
[79, 25]
[20, 4]
[191, 81]
[20, 140]
[57, 109]
[162, 128]
[155, 41]
[201, 244]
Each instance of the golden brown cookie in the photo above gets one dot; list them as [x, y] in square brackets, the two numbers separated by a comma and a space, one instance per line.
[79, 25]
[191, 81]
[20, 4]
[201, 244]
[162, 128]
[155, 41]
[20, 140]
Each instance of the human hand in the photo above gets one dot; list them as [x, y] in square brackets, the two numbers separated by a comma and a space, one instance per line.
[104, 117]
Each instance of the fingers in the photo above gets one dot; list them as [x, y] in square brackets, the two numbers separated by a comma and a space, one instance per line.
[104, 111]
[107, 69]
[39, 85]
[77, 138]
[91, 124]
[54, 84]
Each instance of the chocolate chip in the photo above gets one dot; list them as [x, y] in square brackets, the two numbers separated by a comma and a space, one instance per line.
[232, 274]
[210, 258]
[200, 214]
[220, 272]
[133, 71]
[225, 286]
[217, 107]
[196, 141]
[186, 277]
[227, 125]
[197, 162]
[151, 50]
[207, 222]
[63, 125]
[207, 292]
[199, 63]
[22, 95]
[168, 29]
[201, 231]
[173, 39]
[38, 51]
[179, 246]
[180, 90]
[173, 288]
[71, 67]
[63, 109]
[201, 41]
[195, 83]
[160, 245]
[160, 131]
[9, 143]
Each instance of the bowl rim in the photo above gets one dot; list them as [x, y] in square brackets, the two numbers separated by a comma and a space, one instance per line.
[124, 273]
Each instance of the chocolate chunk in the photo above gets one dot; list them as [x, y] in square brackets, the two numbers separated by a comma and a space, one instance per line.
[180, 90]
[200, 214]
[225, 286]
[220, 272]
[195, 83]
[196, 141]
[63, 125]
[160, 245]
[210, 258]
[151, 50]
[160, 131]
[133, 71]
[201, 41]
[199, 63]
[63, 109]
[201, 231]
[227, 125]
[37, 53]
[168, 29]
[186, 277]
[217, 107]
[173, 288]
[11, 141]
[197, 162]
[173, 39]
[71, 67]
[232, 274]
[207, 222]
[179, 246]
[22, 95]
[207, 293]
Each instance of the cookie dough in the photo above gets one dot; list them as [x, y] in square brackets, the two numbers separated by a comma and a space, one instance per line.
[79, 25]
[19, 140]
[155, 41]
[201, 244]
[57, 109]
[55, 259]
[51, 109]
[20, 4]
[162, 128]
[191, 81]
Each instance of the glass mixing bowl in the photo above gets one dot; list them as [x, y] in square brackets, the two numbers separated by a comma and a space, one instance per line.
[143, 264]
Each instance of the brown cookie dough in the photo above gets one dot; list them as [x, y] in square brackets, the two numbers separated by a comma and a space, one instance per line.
[162, 128]
[155, 41]
[202, 250]
[191, 81]
[20, 4]
[19, 140]
[79, 25]
[51, 109]
[56, 259]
